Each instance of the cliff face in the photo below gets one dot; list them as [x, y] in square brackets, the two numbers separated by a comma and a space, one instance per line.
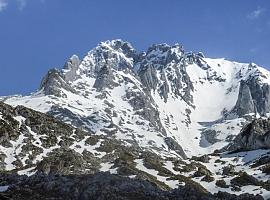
[245, 103]
[255, 135]
[253, 98]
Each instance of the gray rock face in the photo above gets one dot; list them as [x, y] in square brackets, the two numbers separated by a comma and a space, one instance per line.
[181, 84]
[104, 78]
[164, 86]
[53, 82]
[148, 75]
[170, 63]
[173, 145]
[261, 96]
[254, 96]
[255, 135]
[210, 136]
[244, 104]
[143, 106]
[71, 67]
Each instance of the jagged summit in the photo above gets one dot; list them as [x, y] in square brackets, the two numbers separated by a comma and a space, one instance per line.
[119, 45]
[123, 55]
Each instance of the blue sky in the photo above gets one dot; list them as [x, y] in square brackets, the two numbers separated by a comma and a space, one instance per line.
[36, 35]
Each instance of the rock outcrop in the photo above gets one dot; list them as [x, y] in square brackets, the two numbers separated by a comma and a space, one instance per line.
[54, 83]
[254, 94]
[71, 67]
[255, 135]
[244, 104]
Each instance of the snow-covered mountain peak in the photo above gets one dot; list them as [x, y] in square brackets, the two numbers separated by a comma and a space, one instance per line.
[154, 99]
[116, 54]
[160, 55]
[158, 49]
[253, 71]
[118, 44]
[145, 111]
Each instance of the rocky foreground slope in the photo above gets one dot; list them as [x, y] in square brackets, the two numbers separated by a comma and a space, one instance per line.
[165, 116]
[59, 160]
[103, 186]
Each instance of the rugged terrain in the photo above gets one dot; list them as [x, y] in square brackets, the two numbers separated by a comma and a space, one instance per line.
[166, 116]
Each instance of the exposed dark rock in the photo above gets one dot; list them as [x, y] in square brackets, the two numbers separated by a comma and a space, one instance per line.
[266, 169]
[227, 196]
[143, 105]
[63, 161]
[102, 186]
[228, 170]
[210, 135]
[104, 78]
[244, 179]
[261, 161]
[255, 135]
[53, 82]
[208, 178]
[244, 104]
[172, 70]
[148, 75]
[202, 171]
[254, 96]
[204, 158]
[173, 145]
[164, 87]
[221, 184]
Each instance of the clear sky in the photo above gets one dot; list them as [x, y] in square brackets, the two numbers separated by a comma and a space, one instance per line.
[36, 35]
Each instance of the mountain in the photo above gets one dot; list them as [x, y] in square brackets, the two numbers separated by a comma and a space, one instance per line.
[165, 115]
